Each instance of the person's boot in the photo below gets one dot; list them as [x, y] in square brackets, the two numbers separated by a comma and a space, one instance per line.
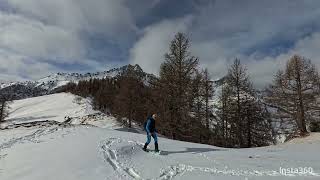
[156, 147]
[145, 147]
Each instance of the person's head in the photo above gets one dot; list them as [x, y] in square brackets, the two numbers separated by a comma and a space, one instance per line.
[154, 116]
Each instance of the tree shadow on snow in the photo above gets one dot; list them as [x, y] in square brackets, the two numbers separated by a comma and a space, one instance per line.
[29, 118]
[132, 130]
[191, 150]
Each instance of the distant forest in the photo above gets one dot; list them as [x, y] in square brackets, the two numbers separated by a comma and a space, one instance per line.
[182, 96]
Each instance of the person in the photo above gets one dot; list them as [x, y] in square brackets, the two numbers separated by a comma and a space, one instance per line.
[150, 128]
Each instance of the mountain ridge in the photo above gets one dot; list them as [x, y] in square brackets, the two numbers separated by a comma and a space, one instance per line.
[52, 82]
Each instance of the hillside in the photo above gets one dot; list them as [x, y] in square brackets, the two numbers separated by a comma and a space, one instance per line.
[51, 83]
[84, 151]
[57, 107]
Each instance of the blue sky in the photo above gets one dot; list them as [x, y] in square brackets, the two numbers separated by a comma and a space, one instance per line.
[40, 37]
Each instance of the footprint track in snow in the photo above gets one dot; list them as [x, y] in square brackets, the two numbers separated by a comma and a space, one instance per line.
[33, 137]
[125, 168]
[110, 156]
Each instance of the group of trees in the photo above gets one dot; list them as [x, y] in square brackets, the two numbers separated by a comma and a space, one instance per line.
[125, 96]
[243, 120]
[184, 92]
[182, 97]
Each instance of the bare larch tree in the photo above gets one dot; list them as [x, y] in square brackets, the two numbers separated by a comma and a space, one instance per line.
[294, 91]
[176, 76]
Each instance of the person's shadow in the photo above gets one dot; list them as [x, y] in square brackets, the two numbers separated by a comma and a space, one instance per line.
[191, 150]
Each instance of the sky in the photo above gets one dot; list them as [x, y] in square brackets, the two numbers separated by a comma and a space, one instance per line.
[41, 37]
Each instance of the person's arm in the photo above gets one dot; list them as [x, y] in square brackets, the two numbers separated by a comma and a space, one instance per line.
[148, 126]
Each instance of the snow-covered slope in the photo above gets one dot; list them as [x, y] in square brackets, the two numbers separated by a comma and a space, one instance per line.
[93, 153]
[82, 152]
[57, 107]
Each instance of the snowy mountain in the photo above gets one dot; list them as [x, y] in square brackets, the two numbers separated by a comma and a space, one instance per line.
[57, 80]
[85, 150]
[52, 82]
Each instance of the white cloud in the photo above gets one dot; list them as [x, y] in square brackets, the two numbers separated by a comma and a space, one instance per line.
[212, 56]
[149, 51]
[262, 34]
[47, 32]
[108, 17]
[17, 67]
[36, 40]
[309, 47]
[229, 29]
[263, 70]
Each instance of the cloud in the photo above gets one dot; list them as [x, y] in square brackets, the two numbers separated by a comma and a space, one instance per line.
[262, 34]
[36, 40]
[309, 47]
[19, 68]
[72, 35]
[262, 70]
[259, 33]
[149, 51]
[50, 34]
[95, 16]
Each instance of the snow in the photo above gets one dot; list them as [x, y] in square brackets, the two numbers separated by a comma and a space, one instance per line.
[4, 85]
[96, 153]
[81, 152]
[56, 107]
[54, 81]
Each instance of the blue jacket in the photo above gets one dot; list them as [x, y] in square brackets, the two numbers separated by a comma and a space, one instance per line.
[151, 125]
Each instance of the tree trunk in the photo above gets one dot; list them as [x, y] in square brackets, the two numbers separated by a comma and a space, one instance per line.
[301, 113]
[2, 111]
[239, 128]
